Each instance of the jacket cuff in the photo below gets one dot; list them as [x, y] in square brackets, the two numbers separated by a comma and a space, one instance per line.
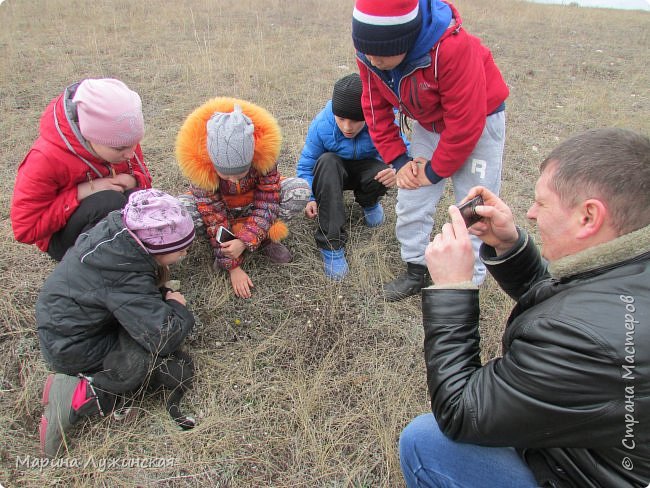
[400, 161]
[431, 174]
[489, 256]
[460, 306]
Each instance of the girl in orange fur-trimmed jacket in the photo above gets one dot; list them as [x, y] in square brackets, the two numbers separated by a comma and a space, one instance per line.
[228, 149]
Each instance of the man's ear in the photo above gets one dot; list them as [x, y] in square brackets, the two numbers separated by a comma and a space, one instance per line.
[593, 218]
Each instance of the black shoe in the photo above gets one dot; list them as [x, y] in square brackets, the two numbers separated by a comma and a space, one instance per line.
[408, 283]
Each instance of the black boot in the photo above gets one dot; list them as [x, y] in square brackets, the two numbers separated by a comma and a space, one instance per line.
[408, 283]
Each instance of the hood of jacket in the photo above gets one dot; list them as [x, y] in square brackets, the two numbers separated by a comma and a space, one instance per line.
[436, 16]
[192, 149]
[111, 246]
[59, 126]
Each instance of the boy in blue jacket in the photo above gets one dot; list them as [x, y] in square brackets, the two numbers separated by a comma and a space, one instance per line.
[339, 155]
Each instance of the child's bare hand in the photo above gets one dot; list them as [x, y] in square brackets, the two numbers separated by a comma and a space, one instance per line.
[311, 209]
[126, 181]
[412, 175]
[233, 249]
[387, 177]
[241, 283]
[87, 188]
[176, 296]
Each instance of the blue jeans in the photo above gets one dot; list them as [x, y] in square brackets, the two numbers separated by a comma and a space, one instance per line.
[429, 459]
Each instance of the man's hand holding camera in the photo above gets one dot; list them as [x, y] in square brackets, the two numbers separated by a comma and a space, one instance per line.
[497, 227]
[450, 258]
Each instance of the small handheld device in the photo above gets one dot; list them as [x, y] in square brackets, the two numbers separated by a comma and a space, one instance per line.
[468, 211]
[224, 235]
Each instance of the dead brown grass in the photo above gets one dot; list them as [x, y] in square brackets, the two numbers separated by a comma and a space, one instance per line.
[308, 383]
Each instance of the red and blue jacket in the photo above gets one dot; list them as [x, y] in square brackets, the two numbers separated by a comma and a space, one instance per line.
[448, 82]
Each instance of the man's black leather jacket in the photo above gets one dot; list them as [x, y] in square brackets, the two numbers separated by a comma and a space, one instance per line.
[572, 390]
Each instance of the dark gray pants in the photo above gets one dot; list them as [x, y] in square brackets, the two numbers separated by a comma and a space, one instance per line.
[91, 210]
[332, 176]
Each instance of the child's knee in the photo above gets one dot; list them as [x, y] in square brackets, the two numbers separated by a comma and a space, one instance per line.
[176, 370]
[125, 371]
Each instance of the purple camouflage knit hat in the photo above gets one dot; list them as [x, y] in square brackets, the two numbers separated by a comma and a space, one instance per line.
[159, 220]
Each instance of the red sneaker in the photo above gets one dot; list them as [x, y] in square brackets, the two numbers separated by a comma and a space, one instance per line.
[66, 399]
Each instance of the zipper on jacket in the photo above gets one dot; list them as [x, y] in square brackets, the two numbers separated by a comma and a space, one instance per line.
[398, 93]
[90, 180]
[414, 83]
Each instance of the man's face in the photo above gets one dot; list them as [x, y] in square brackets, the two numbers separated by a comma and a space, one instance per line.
[556, 223]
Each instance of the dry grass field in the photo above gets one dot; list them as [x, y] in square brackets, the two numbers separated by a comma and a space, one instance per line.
[309, 383]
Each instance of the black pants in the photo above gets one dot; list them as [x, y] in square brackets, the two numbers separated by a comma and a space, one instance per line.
[332, 176]
[91, 210]
[129, 367]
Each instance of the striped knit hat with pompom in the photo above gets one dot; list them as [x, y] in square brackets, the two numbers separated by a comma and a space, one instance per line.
[385, 27]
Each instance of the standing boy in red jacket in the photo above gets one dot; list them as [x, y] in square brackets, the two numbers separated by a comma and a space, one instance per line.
[417, 57]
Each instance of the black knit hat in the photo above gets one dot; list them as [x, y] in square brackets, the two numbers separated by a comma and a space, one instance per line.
[385, 27]
[346, 97]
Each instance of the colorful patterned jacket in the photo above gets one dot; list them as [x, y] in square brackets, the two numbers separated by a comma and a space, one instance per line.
[249, 208]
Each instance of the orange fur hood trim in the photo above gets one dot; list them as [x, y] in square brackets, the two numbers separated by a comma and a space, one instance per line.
[191, 142]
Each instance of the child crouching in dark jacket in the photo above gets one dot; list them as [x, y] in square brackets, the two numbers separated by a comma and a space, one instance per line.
[104, 323]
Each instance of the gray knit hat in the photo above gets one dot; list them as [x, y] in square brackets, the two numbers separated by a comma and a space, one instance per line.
[230, 141]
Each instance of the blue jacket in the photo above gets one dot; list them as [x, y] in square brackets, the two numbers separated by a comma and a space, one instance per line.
[325, 136]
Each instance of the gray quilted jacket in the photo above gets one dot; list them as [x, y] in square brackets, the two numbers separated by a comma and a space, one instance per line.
[106, 281]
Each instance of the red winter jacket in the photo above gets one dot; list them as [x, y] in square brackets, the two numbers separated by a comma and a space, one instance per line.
[45, 192]
[451, 90]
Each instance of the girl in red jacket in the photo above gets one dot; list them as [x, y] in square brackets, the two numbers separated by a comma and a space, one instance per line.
[85, 162]
[417, 57]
